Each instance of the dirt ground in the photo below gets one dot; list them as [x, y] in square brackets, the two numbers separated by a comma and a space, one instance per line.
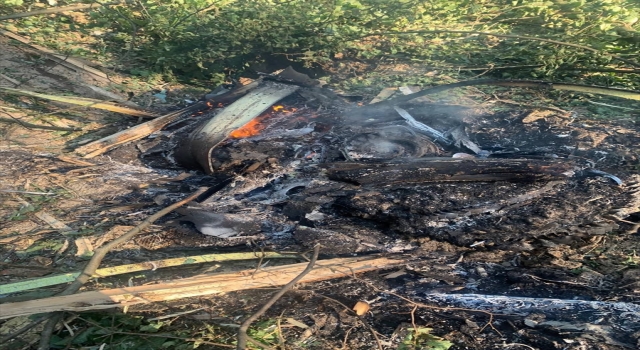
[498, 265]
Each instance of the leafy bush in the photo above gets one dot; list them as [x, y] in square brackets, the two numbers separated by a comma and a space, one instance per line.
[200, 38]
[10, 3]
[204, 39]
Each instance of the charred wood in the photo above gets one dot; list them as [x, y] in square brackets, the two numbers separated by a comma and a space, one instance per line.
[426, 170]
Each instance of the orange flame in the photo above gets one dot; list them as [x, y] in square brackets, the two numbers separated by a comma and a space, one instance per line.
[256, 125]
[279, 108]
[252, 128]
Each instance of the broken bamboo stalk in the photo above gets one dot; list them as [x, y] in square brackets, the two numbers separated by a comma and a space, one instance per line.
[22, 286]
[85, 102]
[425, 170]
[384, 94]
[197, 286]
[140, 131]
[137, 132]
[66, 61]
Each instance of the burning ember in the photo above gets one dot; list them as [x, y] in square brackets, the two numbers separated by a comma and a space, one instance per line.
[256, 125]
[252, 128]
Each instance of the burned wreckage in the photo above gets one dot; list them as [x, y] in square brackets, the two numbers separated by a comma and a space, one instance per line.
[289, 159]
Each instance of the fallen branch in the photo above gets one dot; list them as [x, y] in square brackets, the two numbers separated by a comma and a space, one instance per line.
[198, 286]
[84, 102]
[384, 109]
[628, 94]
[242, 332]
[96, 259]
[74, 161]
[137, 132]
[11, 80]
[61, 59]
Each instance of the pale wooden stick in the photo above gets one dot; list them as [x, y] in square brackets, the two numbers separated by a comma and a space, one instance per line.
[198, 286]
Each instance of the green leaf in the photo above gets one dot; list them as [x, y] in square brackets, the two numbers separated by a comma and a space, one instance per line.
[152, 327]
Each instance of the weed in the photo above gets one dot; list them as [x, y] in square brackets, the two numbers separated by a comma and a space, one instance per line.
[632, 260]
[265, 332]
[120, 331]
[421, 338]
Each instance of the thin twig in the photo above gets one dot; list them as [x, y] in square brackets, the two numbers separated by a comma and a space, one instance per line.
[280, 336]
[365, 323]
[28, 192]
[612, 106]
[550, 108]
[100, 253]
[242, 332]
[259, 265]
[518, 344]
[30, 326]
[346, 337]
[413, 323]
[36, 126]
[11, 80]
[96, 259]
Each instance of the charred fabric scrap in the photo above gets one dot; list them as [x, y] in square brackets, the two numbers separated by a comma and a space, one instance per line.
[341, 174]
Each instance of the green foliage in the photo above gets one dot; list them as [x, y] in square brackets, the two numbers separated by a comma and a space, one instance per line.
[208, 40]
[264, 332]
[125, 332]
[10, 2]
[121, 332]
[205, 39]
[421, 338]
[632, 260]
